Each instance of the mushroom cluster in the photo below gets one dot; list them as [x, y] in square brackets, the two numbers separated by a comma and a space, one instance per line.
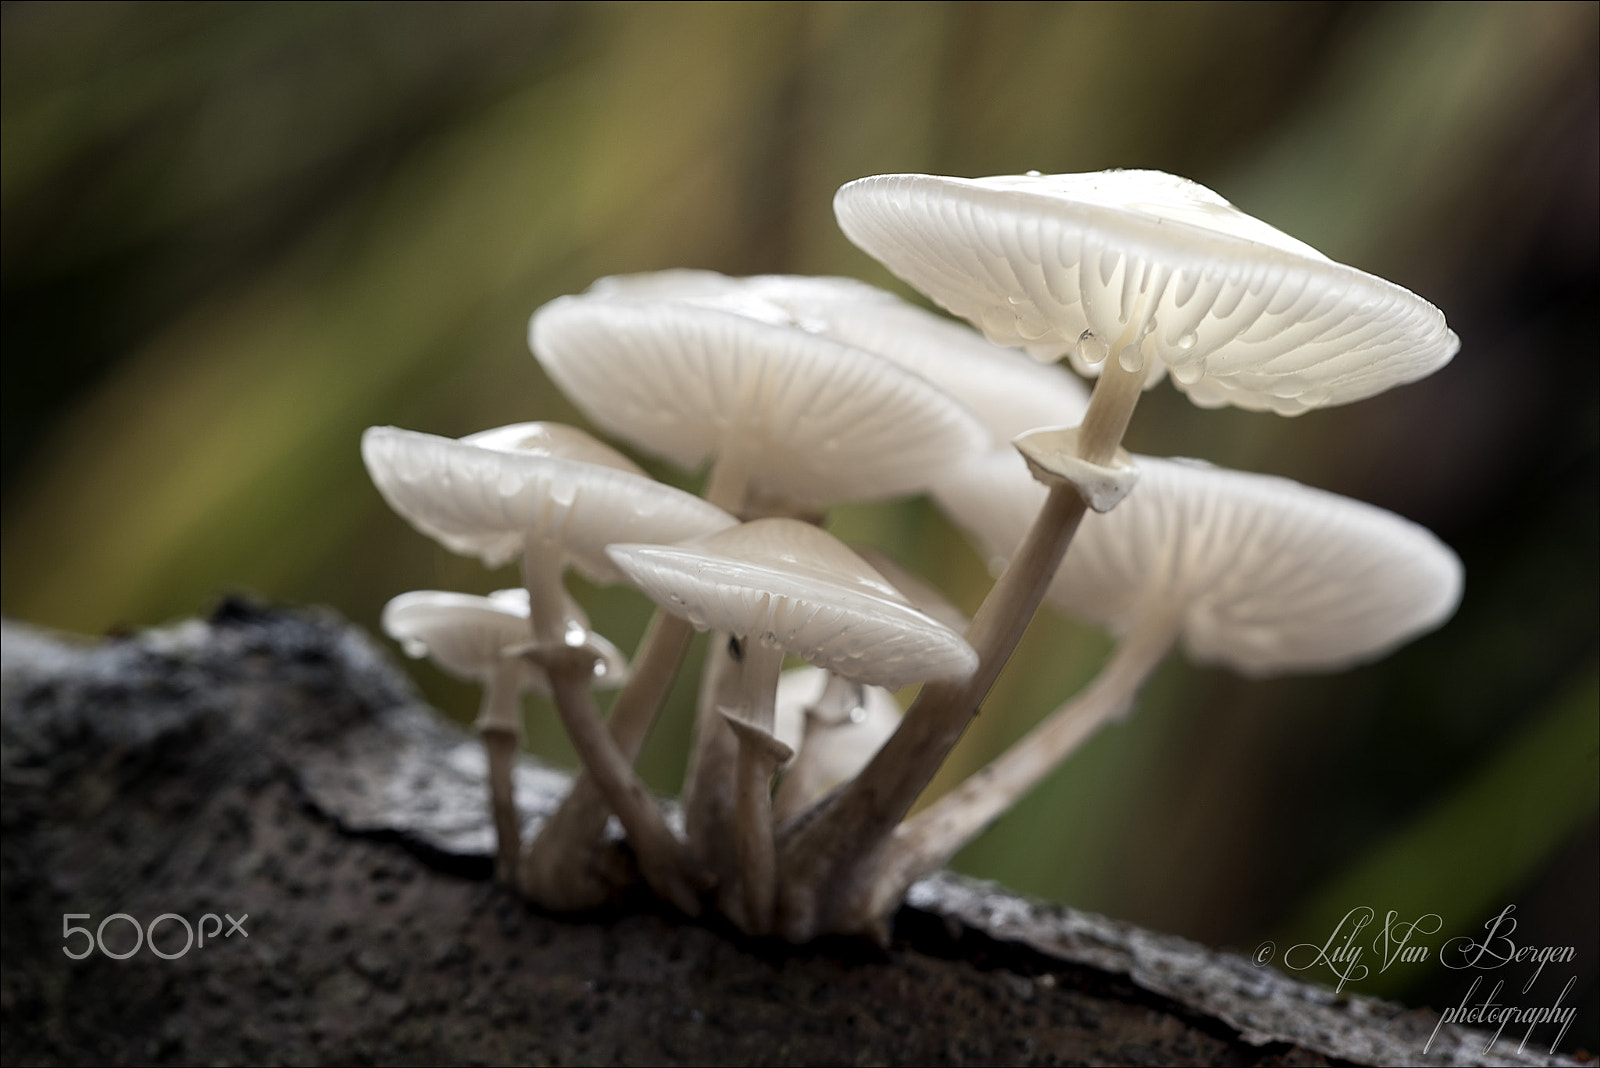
[799, 393]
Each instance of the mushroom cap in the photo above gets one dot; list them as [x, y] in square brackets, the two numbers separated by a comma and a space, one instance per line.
[1003, 387]
[480, 500]
[466, 635]
[793, 586]
[1266, 575]
[554, 439]
[816, 421]
[922, 594]
[1240, 312]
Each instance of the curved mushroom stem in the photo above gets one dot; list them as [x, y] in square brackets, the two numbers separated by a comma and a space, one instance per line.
[500, 726]
[558, 649]
[760, 756]
[662, 859]
[925, 842]
[556, 869]
[829, 853]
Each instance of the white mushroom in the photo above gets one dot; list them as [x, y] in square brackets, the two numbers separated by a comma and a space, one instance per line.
[689, 368]
[1066, 264]
[1129, 270]
[1256, 573]
[465, 636]
[1006, 390]
[475, 639]
[486, 495]
[786, 415]
[793, 586]
[1267, 575]
[776, 586]
[520, 488]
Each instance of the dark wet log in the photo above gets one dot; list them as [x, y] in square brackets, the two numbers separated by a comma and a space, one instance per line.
[274, 768]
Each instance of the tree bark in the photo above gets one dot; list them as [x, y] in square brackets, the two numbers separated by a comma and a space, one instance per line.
[274, 768]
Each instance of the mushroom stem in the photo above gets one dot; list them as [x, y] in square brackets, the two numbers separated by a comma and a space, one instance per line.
[709, 790]
[823, 852]
[925, 842]
[759, 758]
[760, 755]
[757, 862]
[662, 859]
[829, 852]
[500, 726]
[556, 870]
[542, 564]
[1116, 393]
[728, 483]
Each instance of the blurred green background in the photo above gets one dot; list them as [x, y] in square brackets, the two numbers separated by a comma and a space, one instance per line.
[237, 234]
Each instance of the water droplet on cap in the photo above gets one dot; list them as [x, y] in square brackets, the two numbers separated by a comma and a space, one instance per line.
[1091, 350]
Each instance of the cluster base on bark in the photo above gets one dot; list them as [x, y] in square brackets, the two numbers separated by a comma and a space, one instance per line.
[274, 768]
